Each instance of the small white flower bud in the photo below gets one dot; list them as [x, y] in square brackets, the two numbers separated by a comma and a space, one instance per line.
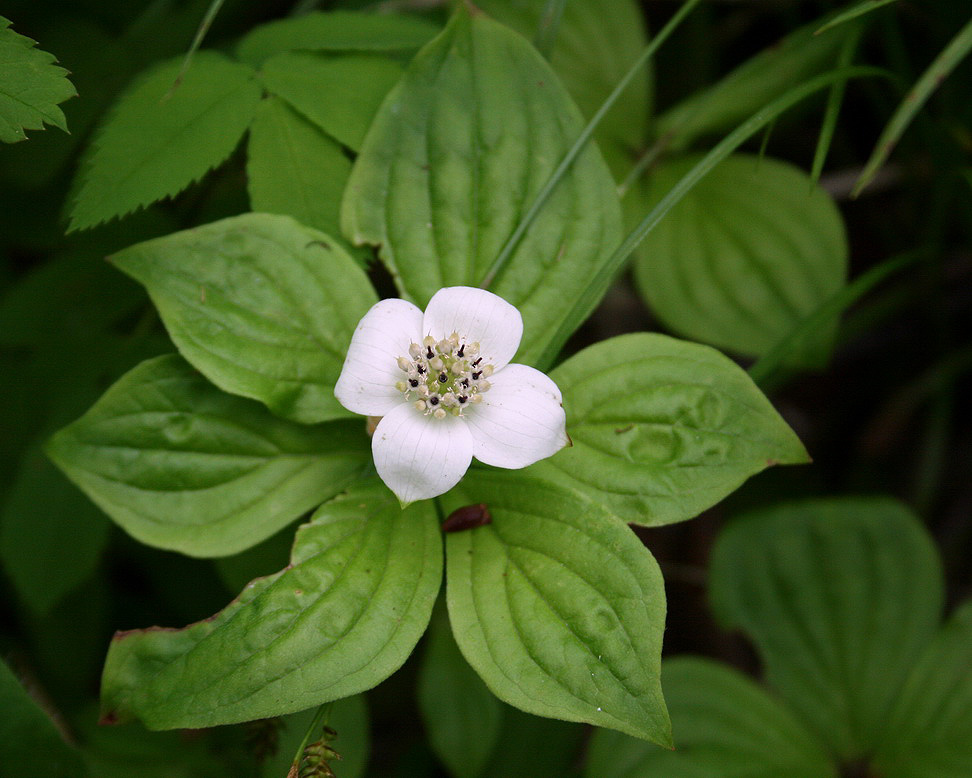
[404, 364]
[457, 368]
[449, 399]
[476, 398]
[415, 351]
[419, 405]
[423, 390]
[444, 346]
[488, 370]
[436, 364]
[429, 341]
[401, 386]
[484, 386]
[439, 413]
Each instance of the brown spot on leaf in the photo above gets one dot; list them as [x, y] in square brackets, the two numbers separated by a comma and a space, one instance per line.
[467, 517]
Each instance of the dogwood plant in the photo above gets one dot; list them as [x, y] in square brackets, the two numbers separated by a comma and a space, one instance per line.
[446, 391]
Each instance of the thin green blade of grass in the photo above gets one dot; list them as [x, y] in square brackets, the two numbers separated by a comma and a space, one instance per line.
[546, 34]
[944, 63]
[203, 28]
[853, 12]
[834, 101]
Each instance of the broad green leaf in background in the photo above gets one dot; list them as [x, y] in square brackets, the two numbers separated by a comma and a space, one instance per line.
[530, 746]
[663, 429]
[596, 42]
[342, 617]
[462, 717]
[338, 93]
[748, 253]
[181, 465]
[455, 157]
[840, 597]
[558, 606]
[161, 136]
[724, 725]
[30, 745]
[31, 86]
[929, 733]
[294, 168]
[752, 85]
[348, 717]
[263, 306]
[51, 536]
[336, 31]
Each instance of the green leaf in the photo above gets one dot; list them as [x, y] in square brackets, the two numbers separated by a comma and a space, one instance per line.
[929, 733]
[663, 429]
[532, 746]
[30, 746]
[457, 154]
[840, 597]
[852, 12]
[747, 254]
[261, 305]
[180, 465]
[161, 136]
[751, 86]
[31, 86]
[342, 617]
[50, 536]
[355, 85]
[596, 43]
[558, 606]
[724, 725]
[462, 717]
[336, 31]
[293, 168]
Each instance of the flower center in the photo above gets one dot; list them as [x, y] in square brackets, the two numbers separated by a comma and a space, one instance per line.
[443, 377]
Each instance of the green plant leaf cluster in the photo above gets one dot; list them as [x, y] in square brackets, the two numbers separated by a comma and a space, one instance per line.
[31, 86]
[842, 599]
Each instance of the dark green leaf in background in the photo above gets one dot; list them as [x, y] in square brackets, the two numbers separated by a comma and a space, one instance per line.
[30, 745]
[558, 606]
[262, 305]
[31, 86]
[294, 168]
[181, 465]
[456, 155]
[161, 136]
[336, 31]
[841, 597]
[749, 252]
[338, 93]
[342, 617]
[462, 717]
[724, 725]
[663, 429]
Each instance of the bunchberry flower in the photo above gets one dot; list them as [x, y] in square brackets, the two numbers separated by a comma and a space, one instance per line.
[446, 391]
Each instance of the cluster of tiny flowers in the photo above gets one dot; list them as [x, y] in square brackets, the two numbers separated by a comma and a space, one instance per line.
[444, 376]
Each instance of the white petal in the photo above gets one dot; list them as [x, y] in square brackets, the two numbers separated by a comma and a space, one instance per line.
[520, 419]
[419, 457]
[367, 381]
[478, 316]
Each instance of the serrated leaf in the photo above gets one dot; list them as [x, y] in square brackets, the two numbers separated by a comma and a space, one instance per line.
[30, 745]
[752, 85]
[354, 85]
[929, 733]
[840, 597]
[724, 725]
[31, 86]
[161, 136]
[462, 717]
[746, 255]
[455, 157]
[558, 606]
[342, 617]
[336, 31]
[180, 465]
[663, 429]
[596, 43]
[263, 306]
[294, 168]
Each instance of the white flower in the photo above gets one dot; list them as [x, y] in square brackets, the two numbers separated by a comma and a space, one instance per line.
[443, 385]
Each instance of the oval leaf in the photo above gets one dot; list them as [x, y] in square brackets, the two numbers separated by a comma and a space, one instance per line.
[558, 606]
[342, 617]
[180, 465]
[747, 254]
[162, 136]
[455, 157]
[840, 597]
[663, 429]
[263, 306]
[724, 725]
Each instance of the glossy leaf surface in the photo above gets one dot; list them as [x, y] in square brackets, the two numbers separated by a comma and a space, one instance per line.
[343, 616]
